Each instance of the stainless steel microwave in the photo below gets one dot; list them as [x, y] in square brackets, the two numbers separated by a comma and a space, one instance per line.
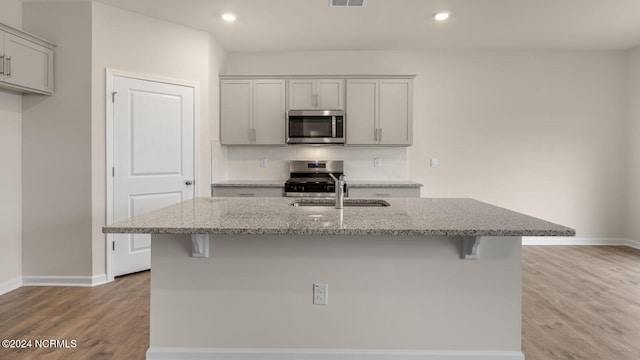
[315, 127]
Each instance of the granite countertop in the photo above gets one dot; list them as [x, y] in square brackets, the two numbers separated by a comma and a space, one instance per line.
[250, 183]
[383, 183]
[275, 216]
[353, 184]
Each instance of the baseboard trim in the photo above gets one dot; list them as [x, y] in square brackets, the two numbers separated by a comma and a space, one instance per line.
[565, 240]
[64, 280]
[10, 285]
[160, 353]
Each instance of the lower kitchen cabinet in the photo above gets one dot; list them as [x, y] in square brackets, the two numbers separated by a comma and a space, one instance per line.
[246, 191]
[384, 192]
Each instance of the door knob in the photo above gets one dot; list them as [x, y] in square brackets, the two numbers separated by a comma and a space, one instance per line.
[189, 182]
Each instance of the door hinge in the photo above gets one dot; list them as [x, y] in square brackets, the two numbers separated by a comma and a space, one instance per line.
[113, 96]
[113, 246]
[113, 171]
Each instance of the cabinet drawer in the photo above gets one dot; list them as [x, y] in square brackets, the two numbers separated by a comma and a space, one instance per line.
[242, 191]
[384, 192]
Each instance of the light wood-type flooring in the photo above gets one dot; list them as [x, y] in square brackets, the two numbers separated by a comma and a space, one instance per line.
[109, 321]
[579, 302]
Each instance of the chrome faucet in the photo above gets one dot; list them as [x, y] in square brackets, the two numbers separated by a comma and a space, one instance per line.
[339, 184]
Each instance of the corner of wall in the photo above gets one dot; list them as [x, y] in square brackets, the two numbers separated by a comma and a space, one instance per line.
[11, 165]
[633, 150]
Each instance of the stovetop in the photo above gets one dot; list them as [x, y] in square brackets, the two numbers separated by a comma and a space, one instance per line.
[305, 180]
[312, 178]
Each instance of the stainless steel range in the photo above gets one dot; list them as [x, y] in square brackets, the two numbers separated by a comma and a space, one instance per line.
[313, 178]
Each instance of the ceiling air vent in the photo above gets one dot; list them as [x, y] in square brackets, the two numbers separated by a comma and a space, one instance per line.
[347, 3]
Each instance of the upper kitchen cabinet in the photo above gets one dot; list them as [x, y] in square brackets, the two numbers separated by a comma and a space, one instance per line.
[325, 94]
[252, 112]
[26, 62]
[379, 112]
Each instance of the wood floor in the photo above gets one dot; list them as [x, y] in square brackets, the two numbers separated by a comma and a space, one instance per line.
[110, 321]
[579, 302]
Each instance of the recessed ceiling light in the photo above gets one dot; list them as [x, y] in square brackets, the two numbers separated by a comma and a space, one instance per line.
[229, 17]
[441, 15]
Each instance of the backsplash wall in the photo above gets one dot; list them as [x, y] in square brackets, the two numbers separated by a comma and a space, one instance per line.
[243, 163]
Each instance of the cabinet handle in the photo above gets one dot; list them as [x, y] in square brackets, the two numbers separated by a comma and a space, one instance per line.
[2, 65]
[375, 134]
[380, 135]
[254, 136]
[246, 195]
[9, 66]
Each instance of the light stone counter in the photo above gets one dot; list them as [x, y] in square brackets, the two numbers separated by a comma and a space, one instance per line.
[275, 216]
[250, 183]
[354, 183]
[383, 184]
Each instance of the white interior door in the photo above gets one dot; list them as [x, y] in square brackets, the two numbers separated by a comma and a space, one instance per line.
[153, 157]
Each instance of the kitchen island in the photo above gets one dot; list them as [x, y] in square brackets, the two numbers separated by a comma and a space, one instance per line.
[233, 278]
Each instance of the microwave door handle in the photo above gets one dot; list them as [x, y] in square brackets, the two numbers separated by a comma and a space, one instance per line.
[333, 127]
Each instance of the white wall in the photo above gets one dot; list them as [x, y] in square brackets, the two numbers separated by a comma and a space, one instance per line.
[64, 137]
[539, 132]
[11, 165]
[129, 42]
[633, 209]
[57, 148]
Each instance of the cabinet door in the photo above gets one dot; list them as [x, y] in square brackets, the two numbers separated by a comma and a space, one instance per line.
[28, 64]
[2, 60]
[269, 112]
[236, 112]
[362, 111]
[330, 94]
[302, 95]
[396, 108]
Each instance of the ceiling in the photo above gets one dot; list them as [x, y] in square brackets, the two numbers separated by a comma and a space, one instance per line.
[291, 25]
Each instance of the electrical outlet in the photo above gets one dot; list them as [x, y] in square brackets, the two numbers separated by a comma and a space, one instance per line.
[377, 162]
[263, 162]
[320, 294]
[434, 162]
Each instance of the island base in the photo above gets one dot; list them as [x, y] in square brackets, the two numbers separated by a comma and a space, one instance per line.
[389, 297]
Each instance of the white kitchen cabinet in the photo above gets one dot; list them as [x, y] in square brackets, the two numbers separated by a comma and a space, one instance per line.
[252, 112]
[325, 94]
[384, 192]
[26, 62]
[379, 112]
[246, 191]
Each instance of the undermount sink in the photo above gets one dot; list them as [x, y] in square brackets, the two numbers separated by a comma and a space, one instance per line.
[347, 202]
